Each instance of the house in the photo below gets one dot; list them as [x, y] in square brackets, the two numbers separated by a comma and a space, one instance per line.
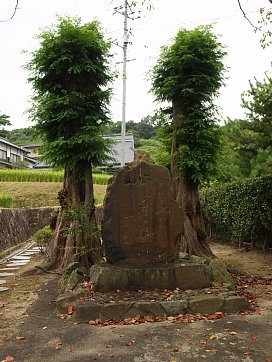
[114, 154]
[11, 155]
[33, 149]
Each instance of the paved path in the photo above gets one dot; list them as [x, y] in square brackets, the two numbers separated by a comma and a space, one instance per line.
[14, 261]
[50, 338]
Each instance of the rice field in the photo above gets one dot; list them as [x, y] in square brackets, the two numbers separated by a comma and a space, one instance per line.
[16, 175]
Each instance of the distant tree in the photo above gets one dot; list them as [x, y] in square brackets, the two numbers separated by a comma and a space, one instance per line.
[258, 103]
[237, 151]
[23, 136]
[189, 74]
[147, 126]
[113, 127]
[4, 121]
[144, 129]
[70, 76]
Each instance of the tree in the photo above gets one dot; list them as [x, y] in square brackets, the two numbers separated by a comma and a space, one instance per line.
[188, 74]
[237, 151]
[70, 75]
[258, 103]
[4, 121]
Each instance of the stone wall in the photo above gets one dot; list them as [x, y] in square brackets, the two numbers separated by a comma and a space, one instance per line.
[17, 225]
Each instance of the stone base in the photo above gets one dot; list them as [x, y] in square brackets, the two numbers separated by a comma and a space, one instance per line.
[106, 278]
[90, 308]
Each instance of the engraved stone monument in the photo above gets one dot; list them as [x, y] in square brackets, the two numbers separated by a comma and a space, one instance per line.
[141, 222]
[140, 228]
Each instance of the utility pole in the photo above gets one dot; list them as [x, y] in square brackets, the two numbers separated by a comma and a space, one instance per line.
[123, 124]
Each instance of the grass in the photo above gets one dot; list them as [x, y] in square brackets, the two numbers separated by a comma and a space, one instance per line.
[5, 199]
[40, 194]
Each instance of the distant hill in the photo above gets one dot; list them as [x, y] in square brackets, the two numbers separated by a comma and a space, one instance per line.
[23, 136]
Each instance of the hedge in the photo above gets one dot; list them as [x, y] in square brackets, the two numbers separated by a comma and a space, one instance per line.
[240, 212]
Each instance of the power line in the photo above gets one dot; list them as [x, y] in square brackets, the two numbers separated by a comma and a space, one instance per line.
[184, 23]
[14, 12]
[250, 22]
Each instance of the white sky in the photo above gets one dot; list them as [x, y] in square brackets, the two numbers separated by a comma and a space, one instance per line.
[246, 58]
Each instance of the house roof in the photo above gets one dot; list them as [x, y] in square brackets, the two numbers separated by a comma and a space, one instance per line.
[6, 142]
[115, 152]
[33, 145]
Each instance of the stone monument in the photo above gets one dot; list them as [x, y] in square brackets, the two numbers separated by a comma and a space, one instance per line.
[141, 222]
[141, 226]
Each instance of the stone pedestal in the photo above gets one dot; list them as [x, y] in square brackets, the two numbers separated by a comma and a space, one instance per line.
[106, 278]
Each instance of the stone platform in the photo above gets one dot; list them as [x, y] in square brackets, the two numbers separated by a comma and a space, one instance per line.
[119, 306]
[107, 277]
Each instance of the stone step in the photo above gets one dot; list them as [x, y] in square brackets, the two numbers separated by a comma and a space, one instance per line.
[20, 257]
[29, 254]
[2, 281]
[16, 263]
[6, 274]
[3, 289]
[86, 310]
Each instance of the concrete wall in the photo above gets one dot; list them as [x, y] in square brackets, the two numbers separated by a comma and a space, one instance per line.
[17, 225]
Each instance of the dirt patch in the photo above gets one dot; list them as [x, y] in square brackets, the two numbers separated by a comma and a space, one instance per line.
[257, 263]
[22, 293]
[253, 272]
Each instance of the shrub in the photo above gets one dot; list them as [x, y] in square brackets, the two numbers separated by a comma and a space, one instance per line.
[43, 236]
[5, 199]
[240, 211]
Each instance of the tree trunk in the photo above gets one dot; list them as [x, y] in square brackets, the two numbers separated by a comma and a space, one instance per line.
[194, 241]
[76, 235]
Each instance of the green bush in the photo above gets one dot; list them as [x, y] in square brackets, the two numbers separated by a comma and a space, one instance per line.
[43, 236]
[240, 211]
[5, 199]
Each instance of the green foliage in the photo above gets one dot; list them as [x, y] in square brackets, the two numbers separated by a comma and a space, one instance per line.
[156, 150]
[190, 70]
[258, 103]
[189, 74]
[237, 151]
[145, 129]
[70, 74]
[4, 121]
[23, 136]
[265, 25]
[5, 199]
[43, 236]
[81, 225]
[248, 143]
[43, 176]
[240, 211]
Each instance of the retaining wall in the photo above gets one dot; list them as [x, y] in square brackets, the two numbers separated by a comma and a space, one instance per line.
[17, 225]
